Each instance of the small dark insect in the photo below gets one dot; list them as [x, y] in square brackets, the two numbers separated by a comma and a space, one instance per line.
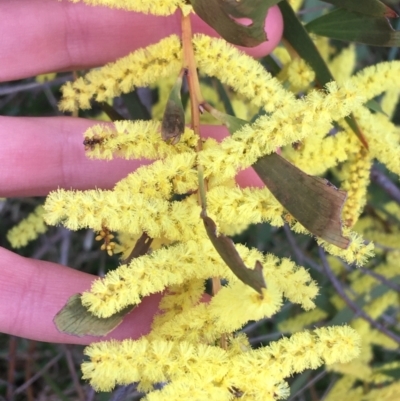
[236, 392]
[297, 145]
[90, 143]
[173, 123]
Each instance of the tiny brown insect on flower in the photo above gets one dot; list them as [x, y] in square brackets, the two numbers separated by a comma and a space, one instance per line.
[236, 392]
[298, 145]
[90, 143]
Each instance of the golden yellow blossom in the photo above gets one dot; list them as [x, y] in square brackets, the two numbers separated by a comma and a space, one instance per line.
[176, 264]
[343, 389]
[357, 252]
[389, 101]
[382, 136]
[289, 124]
[299, 74]
[356, 181]
[28, 229]
[246, 76]
[211, 368]
[192, 348]
[315, 155]
[141, 68]
[378, 78]
[134, 140]
[296, 4]
[343, 64]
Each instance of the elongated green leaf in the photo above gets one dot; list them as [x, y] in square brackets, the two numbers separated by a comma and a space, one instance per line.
[375, 8]
[76, 320]
[354, 27]
[352, 122]
[221, 14]
[295, 33]
[313, 201]
[373, 105]
[223, 95]
[173, 123]
[226, 249]
[232, 123]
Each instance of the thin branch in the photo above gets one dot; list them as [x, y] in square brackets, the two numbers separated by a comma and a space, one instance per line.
[386, 184]
[329, 388]
[14, 88]
[12, 351]
[7, 99]
[72, 371]
[192, 77]
[350, 303]
[189, 63]
[65, 246]
[90, 394]
[122, 392]
[48, 244]
[298, 254]
[392, 320]
[196, 99]
[315, 379]
[29, 368]
[255, 325]
[313, 264]
[48, 365]
[265, 337]
[52, 100]
[381, 278]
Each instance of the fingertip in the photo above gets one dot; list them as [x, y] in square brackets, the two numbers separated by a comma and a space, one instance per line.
[249, 178]
[273, 28]
[32, 292]
[274, 31]
[138, 322]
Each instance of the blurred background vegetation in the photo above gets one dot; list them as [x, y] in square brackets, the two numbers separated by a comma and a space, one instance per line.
[39, 371]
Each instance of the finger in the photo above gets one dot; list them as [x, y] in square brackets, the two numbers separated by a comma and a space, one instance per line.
[32, 292]
[41, 36]
[42, 154]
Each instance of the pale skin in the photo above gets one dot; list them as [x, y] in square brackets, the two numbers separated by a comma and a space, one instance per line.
[41, 154]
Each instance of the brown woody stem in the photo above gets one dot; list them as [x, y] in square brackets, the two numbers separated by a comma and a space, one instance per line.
[196, 100]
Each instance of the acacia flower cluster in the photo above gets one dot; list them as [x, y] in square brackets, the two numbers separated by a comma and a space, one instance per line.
[194, 348]
[28, 229]
[214, 373]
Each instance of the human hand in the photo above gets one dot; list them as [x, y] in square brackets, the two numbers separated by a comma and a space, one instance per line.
[42, 154]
